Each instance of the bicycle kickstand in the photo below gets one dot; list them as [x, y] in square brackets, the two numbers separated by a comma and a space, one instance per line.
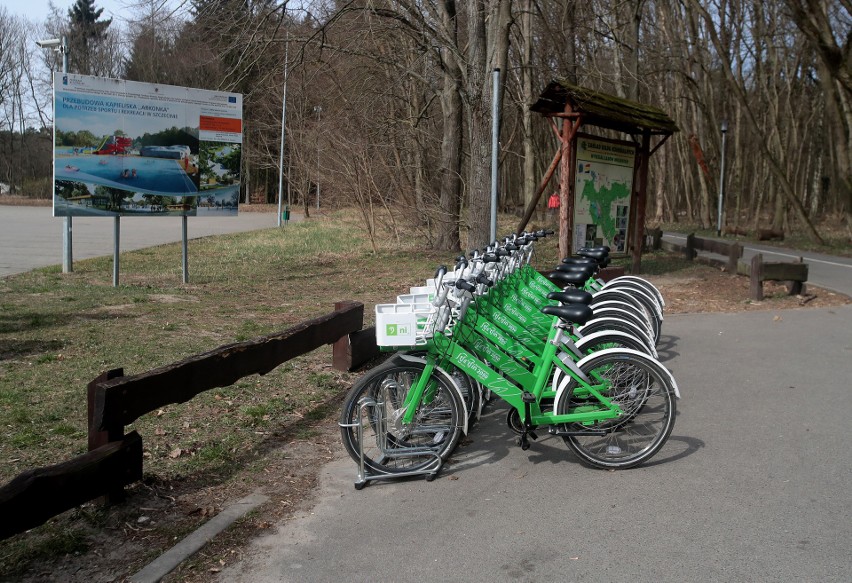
[527, 429]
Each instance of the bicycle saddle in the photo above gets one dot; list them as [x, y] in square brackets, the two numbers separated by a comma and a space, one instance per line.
[571, 296]
[565, 278]
[596, 254]
[575, 313]
[589, 270]
[579, 261]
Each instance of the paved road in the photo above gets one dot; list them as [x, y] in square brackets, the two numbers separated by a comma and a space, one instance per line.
[752, 486]
[825, 271]
[31, 237]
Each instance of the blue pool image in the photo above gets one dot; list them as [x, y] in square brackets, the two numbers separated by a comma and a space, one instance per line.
[140, 174]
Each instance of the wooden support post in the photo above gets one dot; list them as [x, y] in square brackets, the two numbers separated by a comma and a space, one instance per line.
[97, 438]
[796, 286]
[756, 276]
[355, 349]
[341, 351]
[656, 236]
[689, 250]
[641, 197]
[735, 251]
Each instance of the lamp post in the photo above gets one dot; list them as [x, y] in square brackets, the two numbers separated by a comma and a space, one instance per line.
[495, 149]
[318, 111]
[283, 130]
[60, 45]
[724, 128]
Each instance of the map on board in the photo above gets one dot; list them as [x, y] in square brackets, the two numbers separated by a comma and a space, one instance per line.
[602, 188]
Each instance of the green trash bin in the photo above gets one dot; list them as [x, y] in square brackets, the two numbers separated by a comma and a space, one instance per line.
[285, 214]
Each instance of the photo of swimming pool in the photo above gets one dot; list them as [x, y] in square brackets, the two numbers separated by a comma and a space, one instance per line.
[148, 175]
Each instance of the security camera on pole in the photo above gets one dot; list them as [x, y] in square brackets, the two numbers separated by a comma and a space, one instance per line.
[60, 45]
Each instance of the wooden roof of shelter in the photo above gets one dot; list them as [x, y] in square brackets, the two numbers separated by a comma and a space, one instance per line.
[603, 110]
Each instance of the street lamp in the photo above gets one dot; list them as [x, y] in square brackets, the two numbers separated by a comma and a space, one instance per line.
[724, 128]
[318, 111]
[60, 45]
[283, 132]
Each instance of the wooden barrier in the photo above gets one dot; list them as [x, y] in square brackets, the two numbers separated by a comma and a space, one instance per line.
[37, 495]
[770, 235]
[356, 349]
[653, 239]
[733, 251]
[115, 400]
[794, 275]
[122, 400]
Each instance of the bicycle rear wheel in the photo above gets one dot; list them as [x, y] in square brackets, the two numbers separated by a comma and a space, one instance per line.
[389, 445]
[646, 397]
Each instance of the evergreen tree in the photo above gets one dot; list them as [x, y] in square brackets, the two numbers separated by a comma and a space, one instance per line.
[86, 32]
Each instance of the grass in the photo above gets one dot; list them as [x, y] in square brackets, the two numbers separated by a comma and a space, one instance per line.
[58, 332]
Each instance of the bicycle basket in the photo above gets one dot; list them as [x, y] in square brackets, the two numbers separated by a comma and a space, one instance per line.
[403, 324]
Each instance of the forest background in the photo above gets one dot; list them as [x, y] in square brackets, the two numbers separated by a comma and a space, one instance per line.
[388, 103]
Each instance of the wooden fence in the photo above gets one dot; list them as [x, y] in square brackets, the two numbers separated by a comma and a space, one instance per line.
[793, 274]
[115, 400]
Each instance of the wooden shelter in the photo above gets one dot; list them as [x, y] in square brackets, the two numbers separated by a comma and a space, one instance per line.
[577, 107]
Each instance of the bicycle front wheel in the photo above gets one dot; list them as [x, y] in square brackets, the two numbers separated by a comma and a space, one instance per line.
[373, 411]
[646, 397]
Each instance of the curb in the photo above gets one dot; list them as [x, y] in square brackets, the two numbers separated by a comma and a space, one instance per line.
[168, 561]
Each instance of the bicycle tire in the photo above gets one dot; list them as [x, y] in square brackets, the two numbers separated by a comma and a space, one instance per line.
[437, 425]
[601, 324]
[645, 306]
[646, 297]
[633, 279]
[647, 398]
[622, 314]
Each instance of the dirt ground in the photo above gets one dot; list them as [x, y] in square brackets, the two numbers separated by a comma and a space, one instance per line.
[112, 543]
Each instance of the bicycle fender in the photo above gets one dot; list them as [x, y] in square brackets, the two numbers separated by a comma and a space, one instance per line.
[448, 377]
[640, 281]
[659, 367]
[595, 335]
[637, 289]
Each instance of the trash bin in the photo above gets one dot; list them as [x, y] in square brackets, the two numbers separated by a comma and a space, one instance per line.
[285, 214]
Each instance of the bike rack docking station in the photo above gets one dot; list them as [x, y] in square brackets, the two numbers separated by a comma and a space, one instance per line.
[364, 475]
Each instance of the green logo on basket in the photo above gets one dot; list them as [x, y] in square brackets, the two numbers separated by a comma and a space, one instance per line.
[396, 330]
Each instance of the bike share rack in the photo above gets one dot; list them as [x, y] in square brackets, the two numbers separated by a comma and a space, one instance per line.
[364, 475]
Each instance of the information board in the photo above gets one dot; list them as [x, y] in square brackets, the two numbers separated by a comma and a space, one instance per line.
[603, 185]
[124, 148]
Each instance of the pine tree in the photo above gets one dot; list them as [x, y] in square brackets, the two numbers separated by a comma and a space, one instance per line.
[86, 31]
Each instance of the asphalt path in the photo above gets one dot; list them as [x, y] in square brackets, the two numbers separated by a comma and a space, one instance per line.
[753, 484]
[31, 237]
[825, 271]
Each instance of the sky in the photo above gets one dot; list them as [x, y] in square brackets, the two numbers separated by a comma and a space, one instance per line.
[38, 10]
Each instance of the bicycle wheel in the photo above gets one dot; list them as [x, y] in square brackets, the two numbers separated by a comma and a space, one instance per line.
[648, 299]
[644, 305]
[646, 397]
[622, 314]
[633, 279]
[612, 339]
[607, 324]
[389, 444]
[470, 389]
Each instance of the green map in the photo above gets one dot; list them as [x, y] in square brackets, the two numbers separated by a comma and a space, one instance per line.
[603, 184]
